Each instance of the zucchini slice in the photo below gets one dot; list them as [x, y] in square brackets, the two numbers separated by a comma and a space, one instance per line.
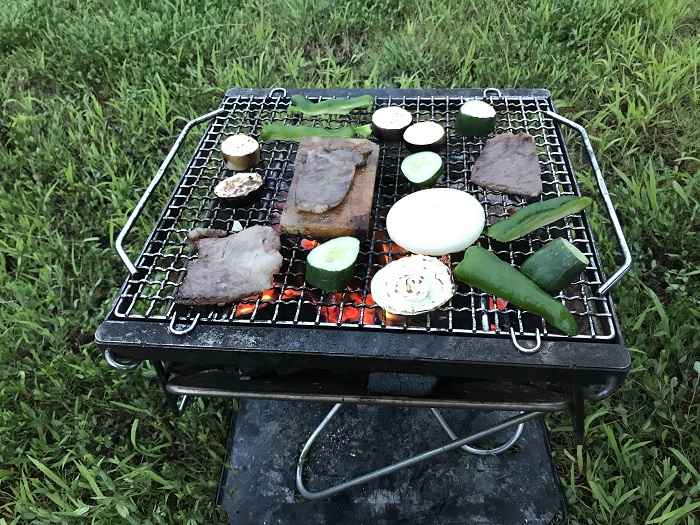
[423, 168]
[330, 265]
[555, 266]
[475, 119]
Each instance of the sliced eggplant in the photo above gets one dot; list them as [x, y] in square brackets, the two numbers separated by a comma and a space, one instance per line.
[412, 285]
[241, 152]
[239, 189]
[425, 136]
[390, 123]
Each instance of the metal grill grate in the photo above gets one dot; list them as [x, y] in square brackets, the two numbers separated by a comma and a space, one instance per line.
[148, 294]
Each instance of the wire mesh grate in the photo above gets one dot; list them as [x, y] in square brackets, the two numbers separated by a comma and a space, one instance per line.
[149, 294]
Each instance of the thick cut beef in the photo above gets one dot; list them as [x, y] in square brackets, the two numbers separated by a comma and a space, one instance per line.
[326, 174]
[509, 164]
[324, 182]
[230, 268]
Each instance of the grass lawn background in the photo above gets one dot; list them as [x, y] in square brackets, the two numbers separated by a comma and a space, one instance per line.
[92, 96]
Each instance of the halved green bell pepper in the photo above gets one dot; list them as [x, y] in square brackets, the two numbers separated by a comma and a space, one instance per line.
[335, 106]
[537, 215]
[482, 269]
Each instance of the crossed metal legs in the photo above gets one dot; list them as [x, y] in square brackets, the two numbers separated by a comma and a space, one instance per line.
[518, 420]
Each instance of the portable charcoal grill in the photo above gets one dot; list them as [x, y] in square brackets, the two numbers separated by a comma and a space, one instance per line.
[294, 342]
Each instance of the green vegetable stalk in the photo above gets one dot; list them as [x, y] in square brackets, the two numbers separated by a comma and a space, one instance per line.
[482, 269]
[537, 215]
[343, 106]
[296, 133]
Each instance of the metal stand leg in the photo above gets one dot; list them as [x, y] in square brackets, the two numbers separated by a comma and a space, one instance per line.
[479, 451]
[516, 420]
[172, 400]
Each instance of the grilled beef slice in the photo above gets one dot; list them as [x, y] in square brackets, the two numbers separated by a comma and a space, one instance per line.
[509, 164]
[326, 175]
[230, 268]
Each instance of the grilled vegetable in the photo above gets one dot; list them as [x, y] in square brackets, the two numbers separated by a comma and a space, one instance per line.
[241, 152]
[423, 168]
[364, 131]
[435, 221]
[389, 123]
[555, 266]
[475, 119]
[239, 189]
[330, 265]
[425, 136]
[412, 285]
[303, 105]
[482, 269]
[537, 215]
[296, 133]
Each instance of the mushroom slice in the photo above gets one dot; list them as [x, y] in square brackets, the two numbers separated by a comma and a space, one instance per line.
[412, 285]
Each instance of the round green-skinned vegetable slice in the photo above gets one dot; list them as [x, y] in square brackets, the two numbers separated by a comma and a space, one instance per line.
[482, 269]
[555, 266]
[330, 266]
[475, 119]
[423, 168]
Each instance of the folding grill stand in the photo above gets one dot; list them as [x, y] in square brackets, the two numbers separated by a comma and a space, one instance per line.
[179, 391]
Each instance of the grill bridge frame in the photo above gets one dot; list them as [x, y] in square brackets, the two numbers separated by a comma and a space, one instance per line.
[148, 293]
[215, 355]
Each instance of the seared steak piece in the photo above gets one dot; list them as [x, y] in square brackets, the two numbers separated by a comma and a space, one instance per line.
[509, 164]
[230, 268]
[326, 175]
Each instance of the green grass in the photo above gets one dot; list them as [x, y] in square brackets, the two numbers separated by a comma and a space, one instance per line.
[92, 95]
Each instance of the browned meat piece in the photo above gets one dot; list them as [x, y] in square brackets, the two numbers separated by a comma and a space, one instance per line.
[230, 268]
[323, 182]
[196, 234]
[509, 164]
[355, 151]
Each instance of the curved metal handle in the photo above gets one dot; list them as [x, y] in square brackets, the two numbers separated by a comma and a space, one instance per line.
[627, 264]
[125, 365]
[602, 392]
[156, 179]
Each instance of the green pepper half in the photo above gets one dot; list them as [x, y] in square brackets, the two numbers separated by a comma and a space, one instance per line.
[482, 269]
[537, 215]
[335, 106]
[296, 133]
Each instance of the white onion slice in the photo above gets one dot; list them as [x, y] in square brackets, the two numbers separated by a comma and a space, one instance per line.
[436, 221]
[412, 285]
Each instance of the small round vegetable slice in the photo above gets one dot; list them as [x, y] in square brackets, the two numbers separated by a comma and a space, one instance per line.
[330, 266]
[389, 123]
[239, 189]
[241, 152]
[425, 136]
[436, 221]
[475, 119]
[412, 285]
[555, 266]
[423, 168]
